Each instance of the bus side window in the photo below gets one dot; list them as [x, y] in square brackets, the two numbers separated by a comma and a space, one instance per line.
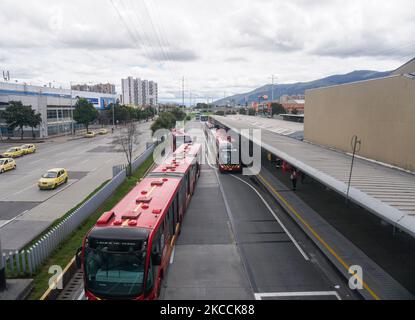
[175, 212]
[182, 196]
[171, 221]
[188, 183]
[156, 249]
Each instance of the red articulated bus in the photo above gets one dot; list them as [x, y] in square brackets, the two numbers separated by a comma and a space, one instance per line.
[126, 254]
[227, 153]
[179, 138]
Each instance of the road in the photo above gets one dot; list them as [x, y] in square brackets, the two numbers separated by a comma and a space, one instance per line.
[236, 243]
[25, 211]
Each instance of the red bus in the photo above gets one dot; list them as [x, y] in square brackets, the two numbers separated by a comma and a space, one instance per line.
[227, 152]
[179, 138]
[126, 254]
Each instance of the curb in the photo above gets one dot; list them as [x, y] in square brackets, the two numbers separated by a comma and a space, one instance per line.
[53, 292]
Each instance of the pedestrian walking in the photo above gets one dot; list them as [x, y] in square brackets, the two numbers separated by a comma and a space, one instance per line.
[293, 178]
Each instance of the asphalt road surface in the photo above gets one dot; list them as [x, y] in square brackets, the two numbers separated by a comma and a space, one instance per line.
[236, 243]
[25, 211]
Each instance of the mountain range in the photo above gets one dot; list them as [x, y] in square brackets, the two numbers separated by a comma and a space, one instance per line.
[299, 87]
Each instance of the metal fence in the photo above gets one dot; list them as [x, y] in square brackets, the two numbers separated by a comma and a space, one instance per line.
[27, 261]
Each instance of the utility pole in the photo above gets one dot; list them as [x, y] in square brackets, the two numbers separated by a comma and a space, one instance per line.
[72, 121]
[272, 88]
[183, 92]
[113, 116]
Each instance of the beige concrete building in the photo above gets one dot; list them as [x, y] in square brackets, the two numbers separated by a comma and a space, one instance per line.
[381, 112]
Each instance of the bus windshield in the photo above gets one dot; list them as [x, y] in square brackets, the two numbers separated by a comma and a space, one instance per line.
[228, 156]
[115, 268]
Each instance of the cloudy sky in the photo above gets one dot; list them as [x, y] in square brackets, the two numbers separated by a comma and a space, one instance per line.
[219, 46]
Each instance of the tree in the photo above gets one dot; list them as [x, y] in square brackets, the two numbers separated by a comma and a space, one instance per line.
[127, 138]
[277, 108]
[251, 111]
[178, 114]
[220, 113]
[34, 119]
[165, 120]
[17, 116]
[294, 111]
[242, 111]
[85, 112]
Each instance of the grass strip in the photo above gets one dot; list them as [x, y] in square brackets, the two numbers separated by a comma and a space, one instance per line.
[67, 249]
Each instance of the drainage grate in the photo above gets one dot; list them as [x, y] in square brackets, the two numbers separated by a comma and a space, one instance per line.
[73, 288]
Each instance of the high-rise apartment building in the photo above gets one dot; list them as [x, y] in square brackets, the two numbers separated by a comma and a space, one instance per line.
[139, 92]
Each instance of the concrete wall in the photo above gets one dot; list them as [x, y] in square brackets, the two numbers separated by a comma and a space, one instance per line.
[381, 112]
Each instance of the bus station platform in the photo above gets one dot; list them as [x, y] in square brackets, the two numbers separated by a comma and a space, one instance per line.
[376, 283]
[330, 237]
[387, 192]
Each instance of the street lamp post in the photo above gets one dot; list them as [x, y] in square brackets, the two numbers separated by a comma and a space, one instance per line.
[355, 143]
[72, 121]
[113, 116]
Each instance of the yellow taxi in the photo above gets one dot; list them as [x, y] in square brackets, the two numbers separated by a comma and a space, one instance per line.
[53, 178]
[90, 134]
[7, 164]
[28, 148]
[13, 152]
[103, 131]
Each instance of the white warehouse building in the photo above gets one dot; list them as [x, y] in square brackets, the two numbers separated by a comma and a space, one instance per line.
[55, 106]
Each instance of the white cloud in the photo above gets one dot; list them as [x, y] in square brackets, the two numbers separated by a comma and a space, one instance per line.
[219, 46]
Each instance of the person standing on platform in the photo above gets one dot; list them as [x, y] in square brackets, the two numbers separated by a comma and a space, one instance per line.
[293, 177]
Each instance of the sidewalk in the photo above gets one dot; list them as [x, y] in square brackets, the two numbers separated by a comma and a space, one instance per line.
[378, 284]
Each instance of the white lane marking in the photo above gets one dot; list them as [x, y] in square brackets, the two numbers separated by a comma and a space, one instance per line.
[36, 161]
[276, 218]
[23, 190]
[16, 217]
[209, 153]
[82, 295]
[259, 296]
[172, 255]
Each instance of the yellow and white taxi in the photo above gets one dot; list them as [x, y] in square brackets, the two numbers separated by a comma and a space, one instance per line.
[13, 152]
[7, 164]
[53, 178]
[28, 148]
[90, 134]
[103, 131]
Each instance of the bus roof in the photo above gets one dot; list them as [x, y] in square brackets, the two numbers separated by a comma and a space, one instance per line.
[178, 132]
[146, 203]
[143, 206]
[180, 160]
